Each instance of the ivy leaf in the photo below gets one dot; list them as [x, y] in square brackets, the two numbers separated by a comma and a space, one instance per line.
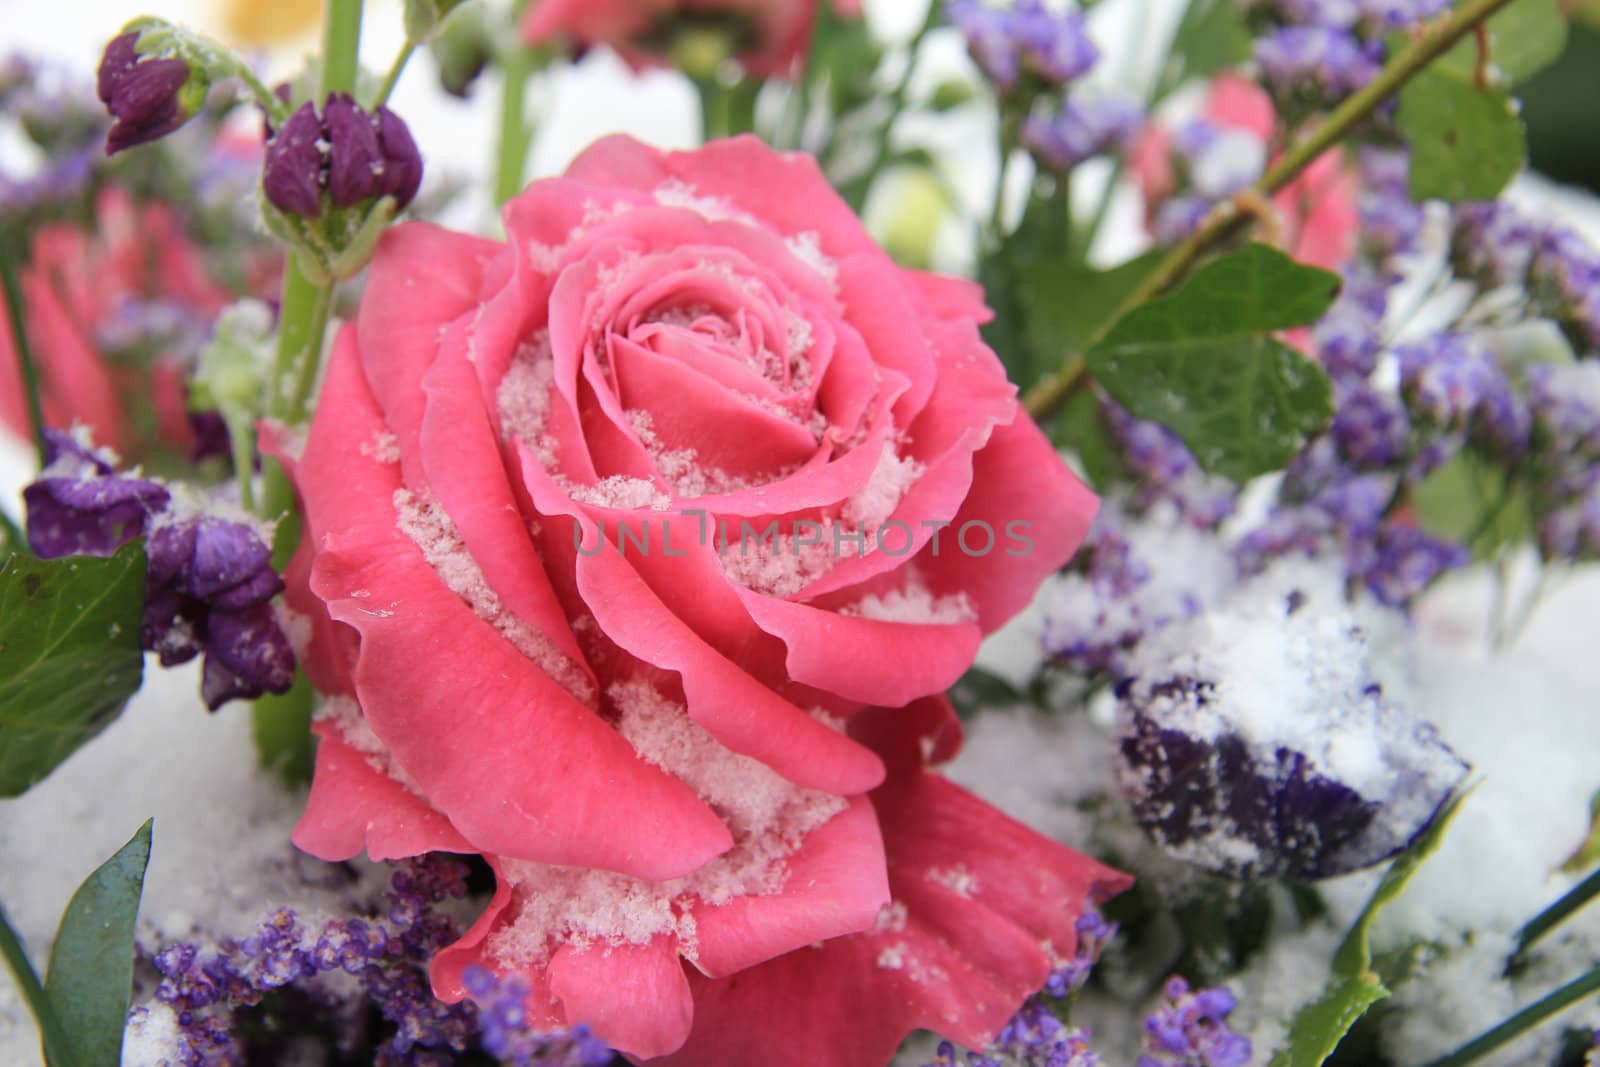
[69, 656]
[1318, 1027]
[1064, 306]
[1198, 361]
[1524, 38]
[1466, 141]
[91, 963]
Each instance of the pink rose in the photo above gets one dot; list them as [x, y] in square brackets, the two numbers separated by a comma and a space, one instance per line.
[779, 30]
[516, 489]
[75, 282]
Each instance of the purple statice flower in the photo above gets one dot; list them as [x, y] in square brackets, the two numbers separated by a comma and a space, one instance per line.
[148, 96]
[80, 505]
[1094, 934]
[1491, 243]
[142, 330]
[1349, 336]
[1564, 281]
[1565, 400]
[380, 968]
[1190, 1029]
[1216, 161]
[1445, 377]
[1391, 222]
[505, 1033]
[1569, 528]
[346, 153]
[1389, 15]
[209, 589]
[1319, 62]
[1370, 427]
[1077, 131]
[62, 182]
[1163, 469]
[1403, 561]
[1024, 38]
[1094, 617]
[1179, 217]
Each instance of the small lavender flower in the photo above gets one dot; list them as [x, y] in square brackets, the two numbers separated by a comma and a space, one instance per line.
[148, 96]
[81, 505]
[1564, 281]
[1335, 14]
[1390, 15]
[383, 963]
[1565, 402]
[1445, 377]
[348, 154]
[1027, 38]
[1391, 222]
[1320, 62]
[1190, 1029]
[1079, 131]
[1404, 561]
[1350, 335]
[1370, 427]
[1492, 244]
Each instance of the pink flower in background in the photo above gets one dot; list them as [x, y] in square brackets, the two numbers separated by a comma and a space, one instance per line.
[640, 551]
[1317, 211]
[776, 32]
[75, 286]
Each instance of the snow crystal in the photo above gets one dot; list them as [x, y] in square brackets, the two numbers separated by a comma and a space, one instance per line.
[914, 604]
[344, 714]
[384, 447]
[889, 482]
[429, 526]
[681, 467]
[678, 193]
[523, 397]
[807, 248]
[958, 879]
[767, 816]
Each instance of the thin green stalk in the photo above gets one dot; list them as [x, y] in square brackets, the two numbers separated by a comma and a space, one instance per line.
[857, 192]
[305, 375]
[1044, 398]
[516, 136]
[57, 1050]
[390, 79]
[9, 263]
[341, 46]
[1557, 913]
[1522, 1021]
[12, 536]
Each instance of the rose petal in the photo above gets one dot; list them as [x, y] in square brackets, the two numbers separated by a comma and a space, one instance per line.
[355, 807]
[635, 997]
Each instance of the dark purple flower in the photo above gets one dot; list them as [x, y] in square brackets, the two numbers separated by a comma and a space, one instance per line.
[81, 506]
[148, 97]
[292, 173]
[351, 154]
[1255, 744]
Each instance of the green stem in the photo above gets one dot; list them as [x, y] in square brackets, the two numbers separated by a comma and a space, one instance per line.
[305, 375]
[10, 261]
[1522, 1021]
[57, 1050]
[1045, 397]
[341, 46]
[858, 189]
[516, 137]
[390, 79]
[1548, 919]
[12, 536]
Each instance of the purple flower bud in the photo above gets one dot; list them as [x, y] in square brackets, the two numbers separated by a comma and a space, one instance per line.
[1191, 1028]
[402, 163]
[247, 654]
[292, 173]
[351, 154]
[80, 505]
[148, 97]
[1255, 744]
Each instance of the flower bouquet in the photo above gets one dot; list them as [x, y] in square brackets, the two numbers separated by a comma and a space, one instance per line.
[1033, 536]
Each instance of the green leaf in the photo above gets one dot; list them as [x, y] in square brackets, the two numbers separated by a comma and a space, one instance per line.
[91, 962]
[1318, 1027]
[69, 656]
[1080, 429]
[1474, 501]
[1524, 38]
[1198, 363]
[978, 689]
[1064, 306]
[1466, 141]
[1354, 957]
[281, 726]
